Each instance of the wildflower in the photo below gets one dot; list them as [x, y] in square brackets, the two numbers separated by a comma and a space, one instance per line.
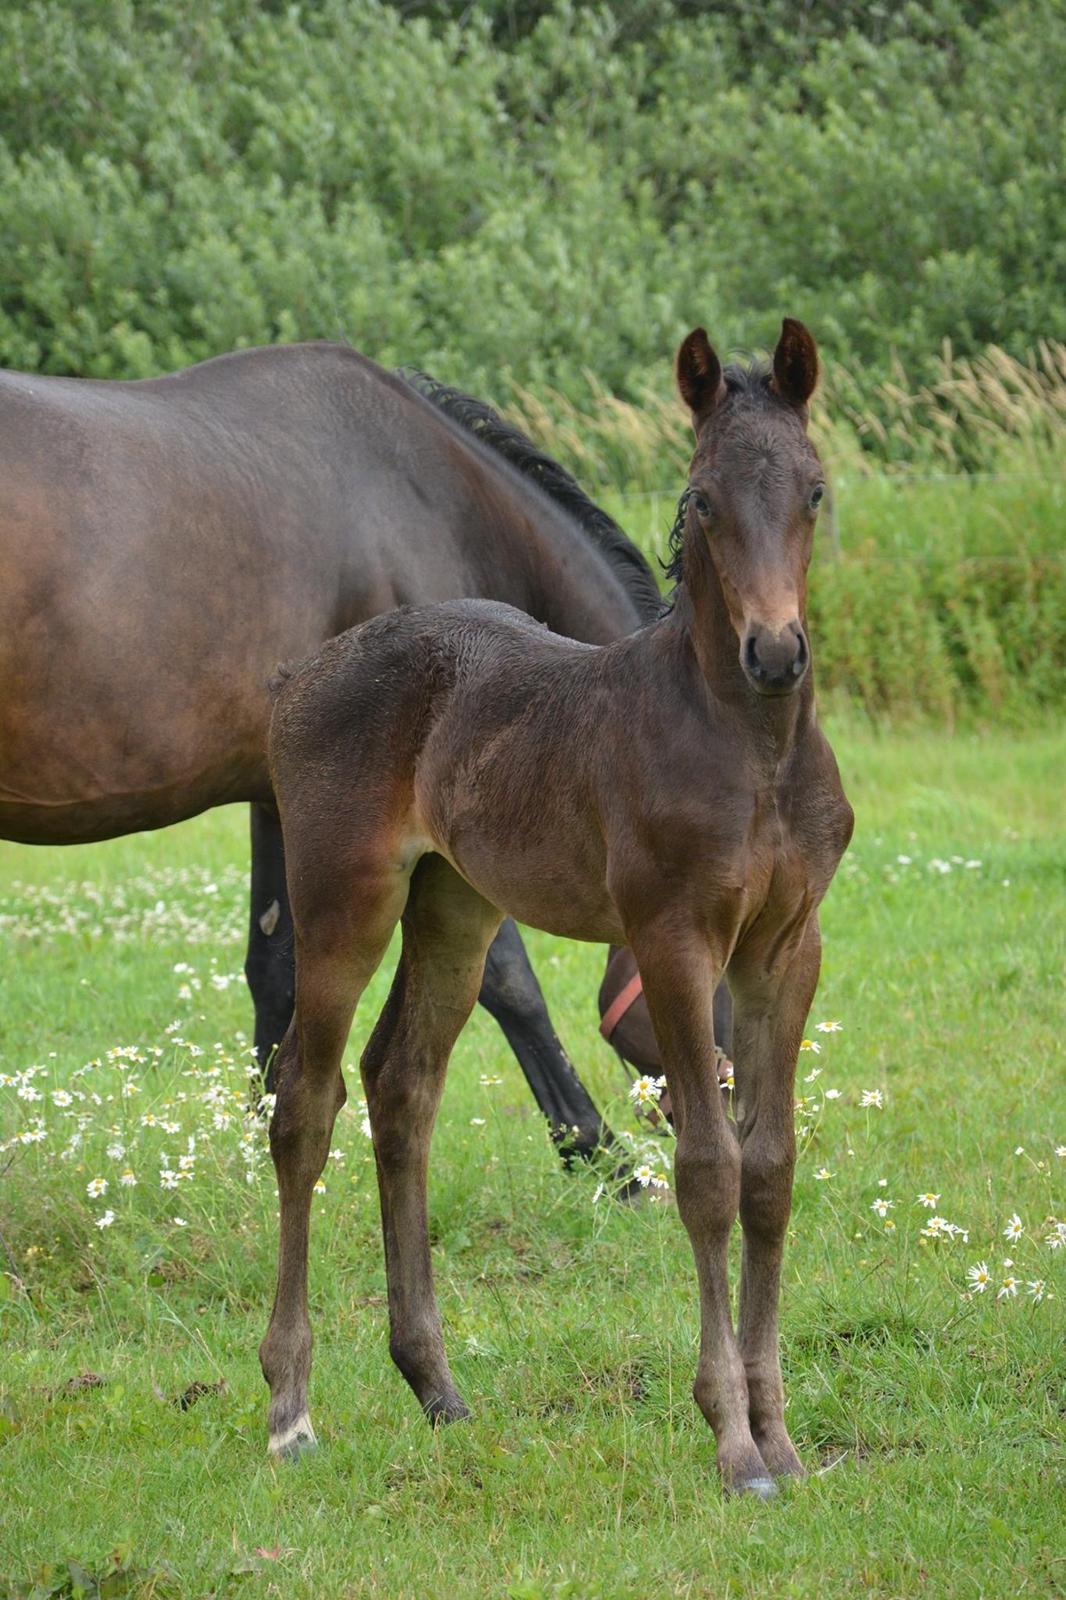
[822, 1174]
[490, 1079]
[1056, 1238]
[930, 1200]
[815, 1072]
[890, 1226]
[904, 861]
[829, 1027]
[643, 1174]
[320, 1187]
[1014, 1228]
[646, 1091]
[96, 1187]
[477, 1122]
[1008, 1289]
[1037, 1288]
[811, 1044]
[62, 1097]
[106, 1220]
[979, 1277]
[832, 1094]
[1060, 1151]
[128, 1179]
[881, 1206]
[600, 1188]
[179, 1222]
[872, 1097]
[168, 1179]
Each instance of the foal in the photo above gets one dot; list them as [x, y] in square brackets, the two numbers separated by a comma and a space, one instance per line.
[672, 791]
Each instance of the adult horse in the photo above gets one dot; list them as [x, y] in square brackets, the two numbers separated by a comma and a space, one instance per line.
[164, 543]
[672, 792]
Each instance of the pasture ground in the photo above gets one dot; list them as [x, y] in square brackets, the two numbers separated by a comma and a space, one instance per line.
[930, 1413]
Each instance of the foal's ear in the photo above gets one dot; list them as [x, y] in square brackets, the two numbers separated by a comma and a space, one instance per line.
[699, 375]
[795, 363]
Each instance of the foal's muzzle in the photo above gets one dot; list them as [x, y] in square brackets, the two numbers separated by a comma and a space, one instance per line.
[775, 661]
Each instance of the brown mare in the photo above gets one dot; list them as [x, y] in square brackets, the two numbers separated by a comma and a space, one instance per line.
[163, 544]
[672, 792]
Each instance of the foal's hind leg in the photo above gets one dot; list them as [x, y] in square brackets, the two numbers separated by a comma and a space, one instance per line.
[447, 928]
[338, 949]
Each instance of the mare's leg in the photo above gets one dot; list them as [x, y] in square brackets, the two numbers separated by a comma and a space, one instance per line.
[270, 965]
[447, 928]
[679, 979]
[773, 993]
[343, 930]
[510, 993]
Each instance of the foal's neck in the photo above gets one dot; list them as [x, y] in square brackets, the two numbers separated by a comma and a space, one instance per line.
[772, 725]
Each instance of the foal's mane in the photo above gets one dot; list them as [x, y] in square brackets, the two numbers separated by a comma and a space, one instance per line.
[747, 387]
[486, 425]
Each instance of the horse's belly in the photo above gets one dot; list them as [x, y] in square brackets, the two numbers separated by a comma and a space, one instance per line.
[81, 767]
[554, 880]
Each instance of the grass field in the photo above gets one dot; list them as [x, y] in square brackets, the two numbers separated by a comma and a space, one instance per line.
[930, 1411]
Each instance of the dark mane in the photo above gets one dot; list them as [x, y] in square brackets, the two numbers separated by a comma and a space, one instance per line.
[488, 426]
[747, 386]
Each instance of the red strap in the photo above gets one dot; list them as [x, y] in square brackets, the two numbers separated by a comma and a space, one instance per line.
[620, 1005]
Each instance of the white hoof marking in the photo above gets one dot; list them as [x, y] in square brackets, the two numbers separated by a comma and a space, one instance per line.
[298, 1436]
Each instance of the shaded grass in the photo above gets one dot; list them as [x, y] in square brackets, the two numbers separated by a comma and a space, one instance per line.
[935, 1422]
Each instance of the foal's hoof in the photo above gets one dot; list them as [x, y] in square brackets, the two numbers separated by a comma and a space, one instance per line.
[293, 1442]
[761, 1488]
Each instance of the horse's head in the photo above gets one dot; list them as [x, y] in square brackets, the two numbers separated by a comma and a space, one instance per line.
[754, 487]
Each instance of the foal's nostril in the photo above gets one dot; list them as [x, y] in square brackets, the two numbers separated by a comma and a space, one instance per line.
[799, 666]
[751, 656]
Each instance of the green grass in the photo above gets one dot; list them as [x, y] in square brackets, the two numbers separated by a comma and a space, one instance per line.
[933, 1422]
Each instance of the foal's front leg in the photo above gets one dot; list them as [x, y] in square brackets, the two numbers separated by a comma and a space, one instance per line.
[679, 980]
[772, 998]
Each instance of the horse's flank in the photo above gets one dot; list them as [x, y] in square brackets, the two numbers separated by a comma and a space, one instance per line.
[122, 710]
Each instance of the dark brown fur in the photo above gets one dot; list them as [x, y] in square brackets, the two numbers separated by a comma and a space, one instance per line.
[164, 543]
[671, 791]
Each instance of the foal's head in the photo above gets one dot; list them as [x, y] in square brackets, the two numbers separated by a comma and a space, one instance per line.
[754, 488]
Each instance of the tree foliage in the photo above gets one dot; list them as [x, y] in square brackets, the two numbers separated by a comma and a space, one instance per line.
[527, 191]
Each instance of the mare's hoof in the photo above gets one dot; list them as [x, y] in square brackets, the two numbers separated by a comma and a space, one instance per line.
[449, 1408]
[293, 1442]
[760, 1488]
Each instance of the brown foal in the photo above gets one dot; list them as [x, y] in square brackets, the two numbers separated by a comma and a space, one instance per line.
[447, 765]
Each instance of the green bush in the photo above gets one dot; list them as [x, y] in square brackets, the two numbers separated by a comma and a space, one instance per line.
[524, 192]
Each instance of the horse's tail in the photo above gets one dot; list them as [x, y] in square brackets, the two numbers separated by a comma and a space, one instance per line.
[515, 447]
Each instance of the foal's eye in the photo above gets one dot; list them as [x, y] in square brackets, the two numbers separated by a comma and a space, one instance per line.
[702, 505]
[816, 496]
